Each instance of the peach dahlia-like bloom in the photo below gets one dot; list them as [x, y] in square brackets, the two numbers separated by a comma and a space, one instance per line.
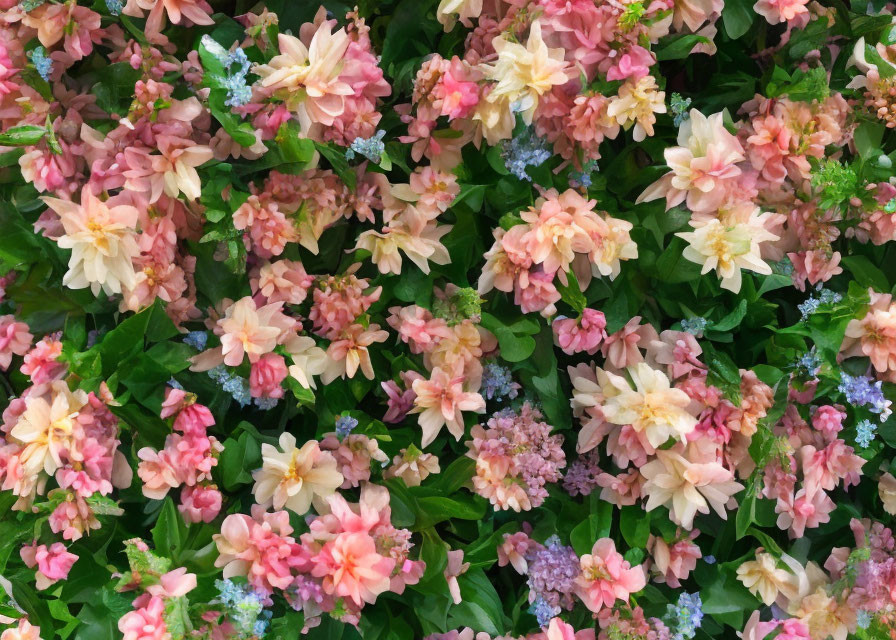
[351, 568]
[686, 487]
[102, 238]
[440, 401]
[307, 78]
[606, 577]
[292, 477]
[637, 104]
[874, 335]
[653, 408]
[23, 631]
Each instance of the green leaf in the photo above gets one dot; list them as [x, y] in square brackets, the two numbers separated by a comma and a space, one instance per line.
[22, 136]
[596, 526]
[238, 459]
[336, 157]
[866, 273]
[571, 293]
[634, 524]
[170, 532]
[738, 16]
[733, 319]
[679, 46]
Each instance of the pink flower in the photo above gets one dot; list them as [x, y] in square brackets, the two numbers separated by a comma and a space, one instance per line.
[24, 631]
[14, 339]
[146, 623]
[440, 401]
[539, 294]
[260, 548]
[173, 584]
[53, 563]
[42, 362]
[351, 568]
[200, 503]
[606, 577]
[797, 512]
[621, 347]
[776, 11]
[674, 562]
[635, 63]
[453, 570]
[514, 549]
[457, 90]
[583, 334]
[400, 401]
[266, 375]
[560, 630]
[814, 266]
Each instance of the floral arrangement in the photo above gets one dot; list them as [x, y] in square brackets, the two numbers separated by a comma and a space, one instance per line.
[447, 320]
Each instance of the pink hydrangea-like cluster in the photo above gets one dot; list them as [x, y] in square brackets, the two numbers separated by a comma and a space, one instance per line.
[515, 458]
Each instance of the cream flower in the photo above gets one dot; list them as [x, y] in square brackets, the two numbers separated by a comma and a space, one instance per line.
[440, 401]
[637, 104]
[523, 73]
[308, 360]
[763, 577]
[293, 477]
[307, 78]
[728, 247]
[653, 408]
[687, 488]
[46, 428]
[887, 489]
[450, 11]
[102, 240]
[422, 244]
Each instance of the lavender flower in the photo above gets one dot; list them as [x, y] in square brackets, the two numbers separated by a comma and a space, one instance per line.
[552, 573]
[860, 391]
[266, 403]
[497, 382]
[581, 477]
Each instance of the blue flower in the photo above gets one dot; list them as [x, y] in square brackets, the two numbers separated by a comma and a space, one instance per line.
[679, 107]
[42, 62]
[543, 611]
[371, 148]
[525, 150]
[197, 340]
[865, 433]
[114, 6]
[695, 326]
[860, 391]
[345, 425]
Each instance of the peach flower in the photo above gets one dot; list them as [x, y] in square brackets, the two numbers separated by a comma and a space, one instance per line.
[440, 401]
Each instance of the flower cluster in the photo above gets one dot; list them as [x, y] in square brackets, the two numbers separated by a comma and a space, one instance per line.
[447, 319]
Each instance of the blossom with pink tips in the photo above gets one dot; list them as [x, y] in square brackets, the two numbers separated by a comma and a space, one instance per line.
[53, 563]
[606, 577]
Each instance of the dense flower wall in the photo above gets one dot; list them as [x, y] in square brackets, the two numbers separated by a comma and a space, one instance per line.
[447, 320]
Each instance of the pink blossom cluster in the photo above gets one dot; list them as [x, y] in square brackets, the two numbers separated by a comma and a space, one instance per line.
[516, 457]
[813, 462]
[187, 459]
[559, 234]
[349, 557]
